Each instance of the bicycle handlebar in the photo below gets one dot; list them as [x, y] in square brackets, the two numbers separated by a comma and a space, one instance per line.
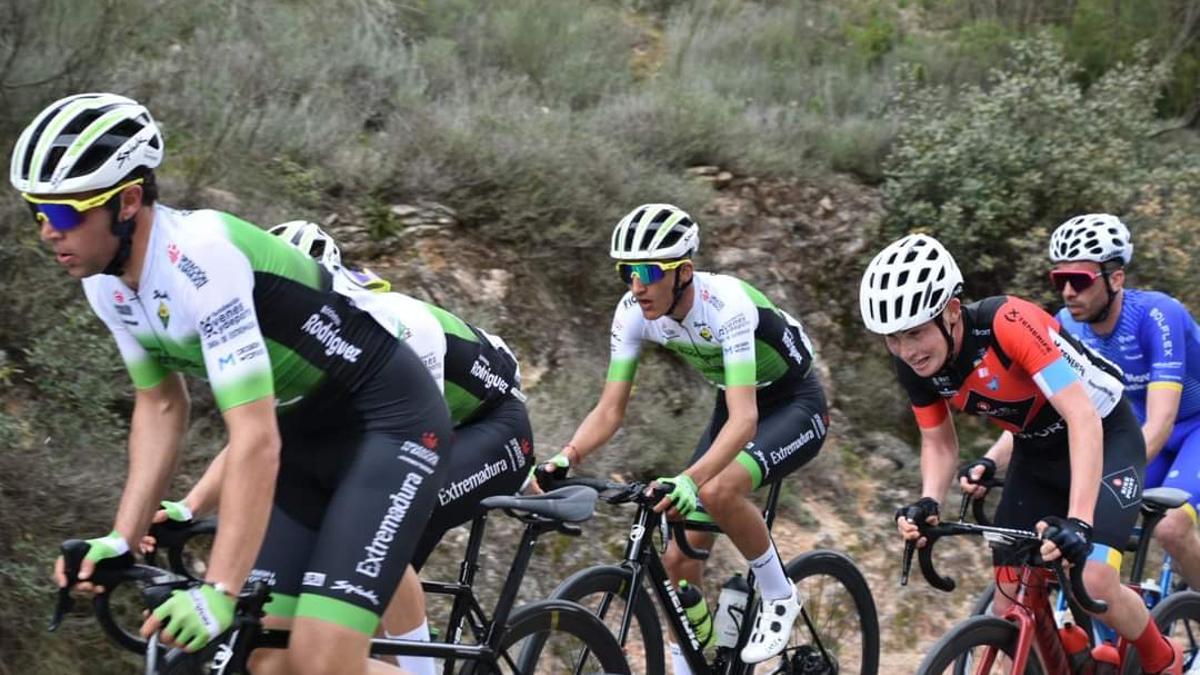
[1025, 541]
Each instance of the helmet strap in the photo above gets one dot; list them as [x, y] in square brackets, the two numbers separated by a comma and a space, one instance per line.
[123, 229]
[948, 333]
[678, 291]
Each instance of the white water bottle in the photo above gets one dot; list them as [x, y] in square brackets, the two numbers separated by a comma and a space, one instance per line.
[731, 608]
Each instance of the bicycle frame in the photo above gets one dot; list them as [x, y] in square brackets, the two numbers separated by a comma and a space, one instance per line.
[641, 557]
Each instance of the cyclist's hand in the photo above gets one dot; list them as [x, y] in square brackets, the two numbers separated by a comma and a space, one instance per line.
[553, 469]
[191, 617]
[970, 475]
[1070, 538]
[530, 486]
[111, 545]
[682, 496]
[909, 518]
[173, 511]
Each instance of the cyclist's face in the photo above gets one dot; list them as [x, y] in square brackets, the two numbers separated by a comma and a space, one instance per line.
[86, 249]
[1085, 303]
[655, 298]
[924, 348]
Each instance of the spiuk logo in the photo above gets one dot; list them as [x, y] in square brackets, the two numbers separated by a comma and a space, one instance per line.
[173, 253]
[429, 440]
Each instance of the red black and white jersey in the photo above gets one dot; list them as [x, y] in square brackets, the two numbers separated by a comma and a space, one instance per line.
[1014, 357]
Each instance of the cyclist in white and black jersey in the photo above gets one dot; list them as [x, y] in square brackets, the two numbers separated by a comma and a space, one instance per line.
[319, 400]
[770, 417]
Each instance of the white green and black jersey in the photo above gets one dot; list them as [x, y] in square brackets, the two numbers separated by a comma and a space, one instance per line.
[473, 368]
[733, 335]
[221, 299]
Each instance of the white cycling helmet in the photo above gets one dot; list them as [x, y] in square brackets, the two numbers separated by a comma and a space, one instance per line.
[84, 142]
[1096, 237]
[655, 232]
[907, 284]
[310, 238]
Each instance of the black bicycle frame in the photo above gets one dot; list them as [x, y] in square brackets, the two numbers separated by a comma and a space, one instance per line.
[641, 556]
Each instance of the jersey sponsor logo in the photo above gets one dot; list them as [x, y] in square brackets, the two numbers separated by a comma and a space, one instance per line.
[226, 323]
[706, 334]
[164, 314]
[778, 456]
[482, 371]
[1044, 432]
[161, 295]
[124, 310]
[712, 299]
[229, 360]
[187, 266]
[421, 452]
[265, 576]
[457, 489]
[789, 342]
[118, 297]
[1160, 320]
[994, 384]
[354, 589]
[330, 337]
[1013, 412]
[313, 579]
[250, 351]
[629, 301]
[381, 542]
[1035, 332]
[1124, 485]
[737, 325]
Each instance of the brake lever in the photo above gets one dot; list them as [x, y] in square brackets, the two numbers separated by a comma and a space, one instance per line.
[73, 552]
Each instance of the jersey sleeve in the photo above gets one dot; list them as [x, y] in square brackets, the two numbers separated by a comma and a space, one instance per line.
[422, 332]
[1026, 333]
[231, 341]
[626, 341]
[143, 369]
[738, 320]
[1163, 337]
[928, 408]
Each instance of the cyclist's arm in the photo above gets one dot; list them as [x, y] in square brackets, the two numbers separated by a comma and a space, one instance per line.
[1086, 438]
[1162, 407]
[160, 418]
[1001, 451]
[202, 499]
[602, 422]
[737, 431]
[247, 489]
[939, 456]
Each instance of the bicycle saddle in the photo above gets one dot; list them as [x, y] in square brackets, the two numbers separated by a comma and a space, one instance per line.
[571, 504]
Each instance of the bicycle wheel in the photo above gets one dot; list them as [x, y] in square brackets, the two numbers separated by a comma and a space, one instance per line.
[1178, 617]
[977, 639]
[566, 638]
[838, 628]
[604, 590]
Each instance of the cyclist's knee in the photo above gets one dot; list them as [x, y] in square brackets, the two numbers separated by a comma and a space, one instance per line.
[724, 491]
[1173, 531]
[406, 611]
[1101, 580]
[322, 648]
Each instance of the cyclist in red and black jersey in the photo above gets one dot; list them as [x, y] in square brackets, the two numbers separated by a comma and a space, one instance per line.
[1079, 455]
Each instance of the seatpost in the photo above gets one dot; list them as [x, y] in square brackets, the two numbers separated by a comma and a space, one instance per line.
[516, 572]
[1139, 559]
[469, 565]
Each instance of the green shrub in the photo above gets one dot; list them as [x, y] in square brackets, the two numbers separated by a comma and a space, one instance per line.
[981, 166]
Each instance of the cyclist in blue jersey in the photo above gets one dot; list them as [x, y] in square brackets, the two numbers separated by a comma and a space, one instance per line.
[337, 438]
[1156, 343]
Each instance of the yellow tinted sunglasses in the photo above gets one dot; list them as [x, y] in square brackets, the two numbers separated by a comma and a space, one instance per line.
[67, 214]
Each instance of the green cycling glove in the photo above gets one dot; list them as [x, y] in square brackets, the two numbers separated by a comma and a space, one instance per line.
[193, 617]
[110, 545]
[176, 511]
[683, 495]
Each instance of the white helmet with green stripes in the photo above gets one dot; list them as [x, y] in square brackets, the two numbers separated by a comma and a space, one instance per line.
[310, 238]
[655, 232]
[85, 142]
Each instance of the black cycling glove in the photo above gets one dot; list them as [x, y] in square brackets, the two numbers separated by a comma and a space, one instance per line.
[1072, 536]
[919, 511]
[989, 470]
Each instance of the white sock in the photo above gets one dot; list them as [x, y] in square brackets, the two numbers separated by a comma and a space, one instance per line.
[417, 665]
[769, 575]
[678, 663]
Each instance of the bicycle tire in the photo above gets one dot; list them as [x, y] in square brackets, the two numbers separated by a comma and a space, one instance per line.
[977, 631]
[546, 616]
[804, 649]
[1176, 607]
[605, 580]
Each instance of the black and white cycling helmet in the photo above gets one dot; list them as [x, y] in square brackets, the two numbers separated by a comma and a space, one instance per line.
[310, 238]
[1095, 237]
[655, 232]
[907, 284]
[84, 142]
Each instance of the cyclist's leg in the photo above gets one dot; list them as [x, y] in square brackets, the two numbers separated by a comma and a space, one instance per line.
[1177, 532]
[491, 457]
